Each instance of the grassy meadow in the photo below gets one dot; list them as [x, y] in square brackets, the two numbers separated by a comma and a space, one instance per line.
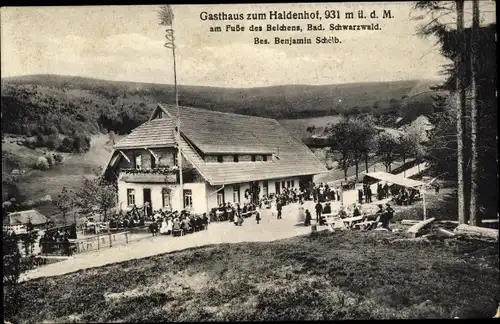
[344, 275]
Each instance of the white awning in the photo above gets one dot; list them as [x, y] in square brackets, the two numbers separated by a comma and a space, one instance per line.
[395, 179]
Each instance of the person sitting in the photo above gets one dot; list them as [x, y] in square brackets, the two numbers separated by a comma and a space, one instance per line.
[356, 212]
[342, 213]
[327, 209]
[380, 209]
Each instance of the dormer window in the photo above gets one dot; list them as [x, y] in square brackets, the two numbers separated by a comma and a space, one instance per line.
[254, 158]
[235, 158]
[219, 159]
[264, 158]
[160, 114]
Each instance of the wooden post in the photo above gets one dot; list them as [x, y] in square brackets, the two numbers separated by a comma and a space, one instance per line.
[126, 237]
[341, 194]
[110, 240]
[98, 243]
[423, 201]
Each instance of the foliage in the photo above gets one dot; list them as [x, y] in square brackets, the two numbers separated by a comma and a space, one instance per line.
[65, 202]
[341, 135]
[28, 241]
[11, 273]
[90, 106]
[387, 144]
[96, 192]
[58, 158]
[76, 143]
[42, 163]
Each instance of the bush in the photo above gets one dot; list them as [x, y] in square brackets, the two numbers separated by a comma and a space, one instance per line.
[58, 157]
[53, 130]
[42, 163]
[30, 142]
[50, 160]
[53, 142]
[75, 143]
[66, 145]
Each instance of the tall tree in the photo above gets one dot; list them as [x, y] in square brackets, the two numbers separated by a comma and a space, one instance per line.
[461, 114]
[65, 202]
[474, 188]
[340, 135]
[387, 145]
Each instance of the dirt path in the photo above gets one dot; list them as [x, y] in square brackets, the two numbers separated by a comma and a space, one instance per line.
[269, 229]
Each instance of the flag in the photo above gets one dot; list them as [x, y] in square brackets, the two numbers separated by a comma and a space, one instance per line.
[166, 15]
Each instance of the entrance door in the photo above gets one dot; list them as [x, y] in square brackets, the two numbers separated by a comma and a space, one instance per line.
[147, 199]
[254, 191]
[277, 187]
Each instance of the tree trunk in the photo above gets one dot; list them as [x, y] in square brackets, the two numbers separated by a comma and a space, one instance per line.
[404, 169]
[366, 162]
[474, 185]
[460, 112]
[357, 168]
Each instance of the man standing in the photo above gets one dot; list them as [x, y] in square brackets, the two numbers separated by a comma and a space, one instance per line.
[279, 207]
[360, 196]
[319, 209]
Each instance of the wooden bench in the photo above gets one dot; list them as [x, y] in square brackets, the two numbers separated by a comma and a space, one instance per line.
[248, 213]
[366, 225]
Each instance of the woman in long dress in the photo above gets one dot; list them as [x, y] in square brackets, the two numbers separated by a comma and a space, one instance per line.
[163, 228]
[170, 225]
[274, 210]
[235, 217]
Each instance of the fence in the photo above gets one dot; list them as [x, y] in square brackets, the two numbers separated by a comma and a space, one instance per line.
[103, 241]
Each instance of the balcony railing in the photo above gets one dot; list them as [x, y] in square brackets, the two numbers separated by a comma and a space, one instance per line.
[166, 174]
[162, 170]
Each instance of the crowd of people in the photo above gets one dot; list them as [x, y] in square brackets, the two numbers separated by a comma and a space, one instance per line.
[175, 223]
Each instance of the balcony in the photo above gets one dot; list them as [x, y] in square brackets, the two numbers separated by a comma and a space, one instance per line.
[156, 175]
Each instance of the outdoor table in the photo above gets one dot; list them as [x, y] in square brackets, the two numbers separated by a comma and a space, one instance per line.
[349, 222]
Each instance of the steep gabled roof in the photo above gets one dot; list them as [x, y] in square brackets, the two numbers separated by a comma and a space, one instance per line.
[217, 132]
[225, 136]
[153, 133]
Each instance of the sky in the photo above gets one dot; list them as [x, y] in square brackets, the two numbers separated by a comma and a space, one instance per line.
[125, 43]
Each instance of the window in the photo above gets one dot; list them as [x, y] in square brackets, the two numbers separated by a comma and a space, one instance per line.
[166, 197]
[235, 158]
[254, 158]
[265, 186]
[138, 161]
[283, 185]
[153, 161]
[264, 158]
[236, 193]
[293, 183]
[288, 184]
[219, 159]
[160, 114]
[130, 197]
[188, 198]
[220, 198]
[176, 158]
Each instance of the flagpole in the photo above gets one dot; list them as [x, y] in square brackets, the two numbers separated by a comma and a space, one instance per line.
[167, 17]
[179, 152]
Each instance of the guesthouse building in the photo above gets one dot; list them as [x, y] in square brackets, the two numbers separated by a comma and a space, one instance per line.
[225, 158]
